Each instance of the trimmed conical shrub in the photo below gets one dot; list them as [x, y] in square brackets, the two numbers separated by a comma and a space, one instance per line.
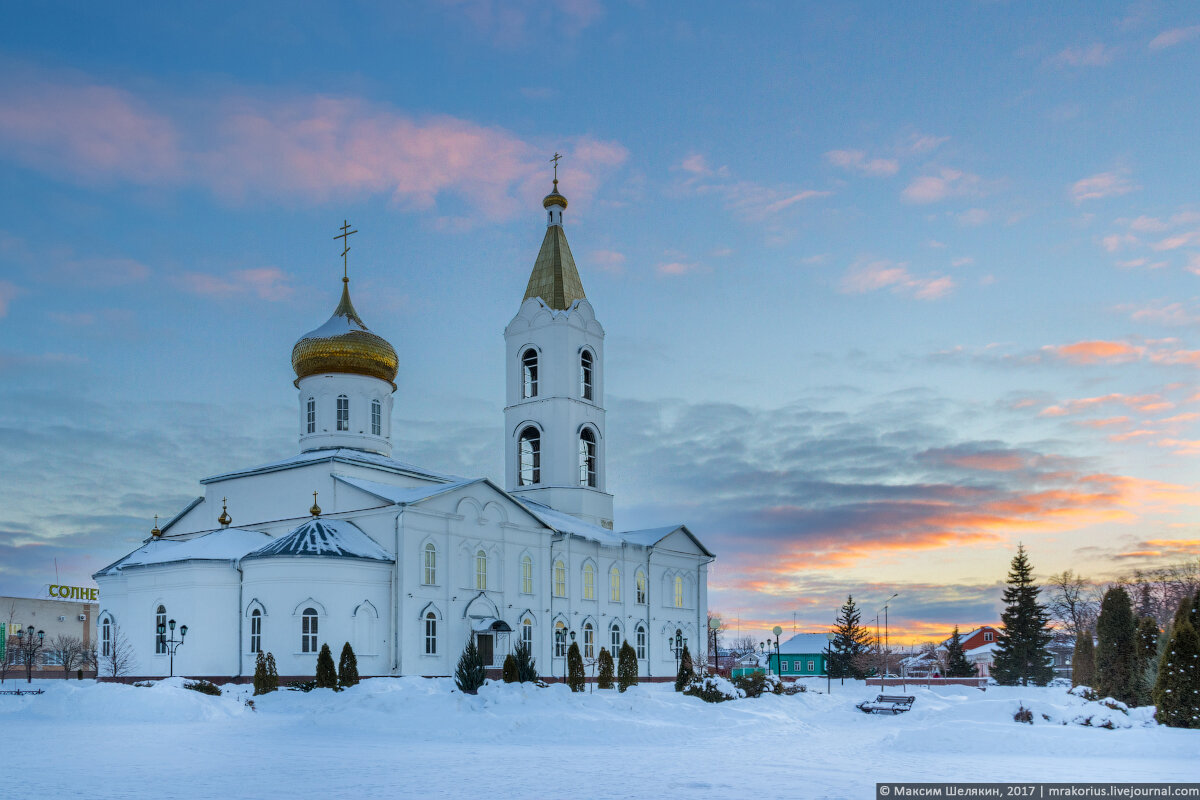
[526, 665]
[604, 675]
[272, 682]
[627, 667]
[687, 672]
[575, 677]
[1177, 689]
[1117, 673]
[470, 673]
[509, 672]
[347, 667]
[1083, 662]
[1145, 642]
[260, 674]
[326, 672]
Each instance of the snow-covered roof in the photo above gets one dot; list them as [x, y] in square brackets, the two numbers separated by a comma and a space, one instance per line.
[981, 651]
[805, 644]
[342, 455]
[565, 523]
[227, 544]
[329, 538]
[403, 495]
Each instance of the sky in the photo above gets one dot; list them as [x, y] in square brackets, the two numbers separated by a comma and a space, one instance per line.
[888, 288]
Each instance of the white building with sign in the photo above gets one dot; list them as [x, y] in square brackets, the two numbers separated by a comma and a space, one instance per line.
[405, 562]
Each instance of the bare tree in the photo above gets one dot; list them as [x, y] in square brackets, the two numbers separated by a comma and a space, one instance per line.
[8, 658]
[118, 661]
[67, 651]
[1072, 601]
[744, 644]
[1157, 591]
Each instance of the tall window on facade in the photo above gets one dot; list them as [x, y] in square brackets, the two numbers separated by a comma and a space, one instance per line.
[376, 418]
[310, 415]
[614, 585]
[587, 457]
[678, 591]
[256, 631]
[480, 570]
[431, 634]
[641, 641]
[641, 587]
[585, 375]
[526, 575]
[560, 639]
[343, 413]
[589, 582]
[308, 631]
[529, 373]
[160, 621]
[615, 638]
[429, 571]
[529, 449]
[527, 633]
[589, 640]
[106, 636]
[560, 579]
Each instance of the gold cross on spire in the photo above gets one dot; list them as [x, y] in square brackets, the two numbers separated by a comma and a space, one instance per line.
[555, 160]
[345, 235]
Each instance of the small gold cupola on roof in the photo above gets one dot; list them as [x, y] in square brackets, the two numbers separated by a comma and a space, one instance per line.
[555, 279]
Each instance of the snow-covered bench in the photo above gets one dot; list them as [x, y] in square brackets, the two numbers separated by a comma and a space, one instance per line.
[887, 704]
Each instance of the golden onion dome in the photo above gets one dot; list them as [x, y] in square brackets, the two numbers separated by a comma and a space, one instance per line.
[554, 198]
[344, 345]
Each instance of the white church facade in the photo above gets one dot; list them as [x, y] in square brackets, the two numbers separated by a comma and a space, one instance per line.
[407, 563]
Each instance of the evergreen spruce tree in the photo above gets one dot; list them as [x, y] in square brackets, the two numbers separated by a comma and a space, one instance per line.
[851, 644]
[1146, 669]
[526, 665]
[957, 665]
[509, 672]
[575, 676]
[260, 674]
[470, 673]
[1117, 672]
[627, 667]
[1189, 607]
[347, 667]
[1177, 690]
[1083, 662]
[1021, 656]
[687, 671]
[326, 672]
[604, 676]
[272, 682]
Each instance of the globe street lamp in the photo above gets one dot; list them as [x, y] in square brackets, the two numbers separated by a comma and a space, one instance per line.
[777, 630]
[28, 646]
[172, 644]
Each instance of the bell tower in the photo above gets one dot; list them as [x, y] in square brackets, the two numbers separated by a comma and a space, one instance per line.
[555, 448]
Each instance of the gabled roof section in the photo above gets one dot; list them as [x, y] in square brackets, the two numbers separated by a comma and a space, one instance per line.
[402, 496]
[328, 538]
[342, 455]
[227, 544]
[805, 644]
[554, 278]
[652, 536]
[565, 523]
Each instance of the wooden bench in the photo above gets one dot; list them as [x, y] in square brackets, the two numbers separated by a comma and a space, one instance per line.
[887, 704]
[22, 691]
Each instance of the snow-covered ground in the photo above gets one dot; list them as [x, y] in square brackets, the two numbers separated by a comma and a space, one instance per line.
[411, 737]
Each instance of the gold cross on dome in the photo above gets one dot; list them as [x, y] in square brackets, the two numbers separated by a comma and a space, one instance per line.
[555, 160]
[345, 235]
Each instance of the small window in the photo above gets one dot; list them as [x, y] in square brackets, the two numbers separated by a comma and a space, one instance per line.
[431, 634]
[560, 579]
[641, 641]
[678, 591]
[160, 624]
[585, 375]
[481, 570]
[614, 585]
[530, 453]
[529, 373]
[376, 418]
[310, 415]
[308, 631]
[526, 575]
[587, 458]
[614, 638]
[343, 413]
[589, 640]
[987, 636]
[256, 631]
[429, 576]
[527, 633]
[783, 665]
[589, 582]
[641, 587]
[106, 636]
[560, 639]
[812, 666]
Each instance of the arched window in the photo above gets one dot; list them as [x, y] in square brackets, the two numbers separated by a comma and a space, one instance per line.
[160, 624]
[376, 418]
[615, 638]
[429, 573]
[343, 413]
[530, 451]
[587, 457]
[641, 587]
[560, 639]
[480, 570]
[526, 575]
[641, 641]
[256, 631]
[585, 375]
[589, 640]
[529, 373]
[614, 585]
[310, 415]
[431, 634]
[589, 582]
[560, 579]
[678, 591]
[527, 633]
[106, 635]
[308, 631]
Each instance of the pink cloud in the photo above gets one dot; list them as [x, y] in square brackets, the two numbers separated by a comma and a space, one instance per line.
[267, 283]
[677, 268]
[1094, 55]
[872, 276]
[1097, 351]
[1174, 36]
[1101, 185]
[609, 261]
[857, 161]
[946, 183]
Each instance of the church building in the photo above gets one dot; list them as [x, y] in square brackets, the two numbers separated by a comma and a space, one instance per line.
[404, 562]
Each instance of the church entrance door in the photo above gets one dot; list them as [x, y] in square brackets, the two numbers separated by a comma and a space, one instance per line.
[484, 642]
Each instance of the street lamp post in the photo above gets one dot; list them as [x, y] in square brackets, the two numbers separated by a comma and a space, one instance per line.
[885, 637]
[28, 645]
[172, 644]
[777, 630]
